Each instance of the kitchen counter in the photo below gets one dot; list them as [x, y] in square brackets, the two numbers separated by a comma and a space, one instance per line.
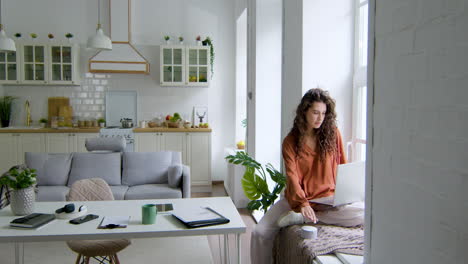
[48, 130]
[95, 130]
[165, 129]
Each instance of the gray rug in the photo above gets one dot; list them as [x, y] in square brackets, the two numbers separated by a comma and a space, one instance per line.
[148, 250]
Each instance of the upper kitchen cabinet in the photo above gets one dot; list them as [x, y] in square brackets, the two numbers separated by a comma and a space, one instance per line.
[40, 64]
[9, 67]
[198, 65]
[172, 65]
[184, 65]
[63, 64]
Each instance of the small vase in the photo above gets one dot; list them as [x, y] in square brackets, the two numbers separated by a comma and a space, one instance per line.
[22, 201]
[199, 43]
[5, 123]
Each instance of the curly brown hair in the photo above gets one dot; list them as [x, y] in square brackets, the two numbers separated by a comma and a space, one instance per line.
[326, 133]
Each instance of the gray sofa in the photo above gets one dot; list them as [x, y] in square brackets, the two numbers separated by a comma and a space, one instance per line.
[131, 175]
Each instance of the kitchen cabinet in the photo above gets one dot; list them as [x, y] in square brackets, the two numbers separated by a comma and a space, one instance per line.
[40, 64]
[14, 146]
[67, 142]
[184, 65]
[9, 67]
[195, 148]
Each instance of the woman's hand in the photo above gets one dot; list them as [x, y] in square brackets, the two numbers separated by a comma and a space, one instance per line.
[309, 213]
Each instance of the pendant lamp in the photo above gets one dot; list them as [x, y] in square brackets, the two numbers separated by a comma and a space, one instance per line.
[6, 43]
[99, 40]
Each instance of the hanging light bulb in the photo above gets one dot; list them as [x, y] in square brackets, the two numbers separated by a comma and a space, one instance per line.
[6, 43]
[99, 40]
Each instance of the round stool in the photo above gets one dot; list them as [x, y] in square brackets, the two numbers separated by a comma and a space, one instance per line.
[106, 249]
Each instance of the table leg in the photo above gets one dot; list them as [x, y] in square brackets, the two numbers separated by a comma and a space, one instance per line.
[19, 252]
[238, 249]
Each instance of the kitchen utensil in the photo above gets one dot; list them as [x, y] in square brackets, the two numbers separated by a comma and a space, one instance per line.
[126, 122]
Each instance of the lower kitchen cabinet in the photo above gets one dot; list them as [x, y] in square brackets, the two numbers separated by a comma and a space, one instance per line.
[18, 144]
[195, 148]
[14, 145]
[67, 142]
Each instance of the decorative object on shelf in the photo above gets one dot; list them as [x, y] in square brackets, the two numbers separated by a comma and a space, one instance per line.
[21, 180]
[69, 36]
[240, 144]
[167, 38]
[99, 40]
[209, 42]
[254, 181]
[181, 40]
[200, 116]
[101, 122]
[50, 36]
[5, 109]
[174, 121]
[18, 35]
[43, 122]
[6, 43]
[33, 36]
[198, 39]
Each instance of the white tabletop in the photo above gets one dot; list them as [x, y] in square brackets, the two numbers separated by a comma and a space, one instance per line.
[166, 225]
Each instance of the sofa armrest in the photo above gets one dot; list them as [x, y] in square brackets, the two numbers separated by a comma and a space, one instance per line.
[185, 181]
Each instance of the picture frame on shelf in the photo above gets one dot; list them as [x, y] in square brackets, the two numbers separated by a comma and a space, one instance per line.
[200, 115]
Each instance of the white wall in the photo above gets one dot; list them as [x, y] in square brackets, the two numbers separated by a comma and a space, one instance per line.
[151, 21]
[241, 75]
[328, 35]
[420, 173]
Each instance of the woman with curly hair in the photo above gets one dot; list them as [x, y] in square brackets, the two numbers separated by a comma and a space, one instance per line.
[311, 152]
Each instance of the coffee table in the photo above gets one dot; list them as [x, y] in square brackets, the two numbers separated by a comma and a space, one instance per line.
[166, 225]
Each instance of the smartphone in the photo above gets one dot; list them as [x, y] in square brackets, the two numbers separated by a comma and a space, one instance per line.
[83, 219]
[164, 207]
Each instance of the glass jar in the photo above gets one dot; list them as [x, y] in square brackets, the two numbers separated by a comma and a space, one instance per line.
[54, 122]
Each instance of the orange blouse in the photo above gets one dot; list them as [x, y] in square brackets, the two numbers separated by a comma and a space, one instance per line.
[307, 176]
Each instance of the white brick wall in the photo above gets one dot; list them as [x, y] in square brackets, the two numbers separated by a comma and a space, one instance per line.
[420, 154]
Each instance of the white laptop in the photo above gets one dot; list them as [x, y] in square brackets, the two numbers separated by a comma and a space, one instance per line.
[350, 185]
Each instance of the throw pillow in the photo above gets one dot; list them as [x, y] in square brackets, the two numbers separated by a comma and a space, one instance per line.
[175, 175]
[52, 168]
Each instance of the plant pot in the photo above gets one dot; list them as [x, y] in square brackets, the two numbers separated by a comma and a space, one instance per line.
[5, 123]
[22, 201]
[43, 125]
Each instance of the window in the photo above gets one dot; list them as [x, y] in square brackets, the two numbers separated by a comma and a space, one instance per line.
[358, 143]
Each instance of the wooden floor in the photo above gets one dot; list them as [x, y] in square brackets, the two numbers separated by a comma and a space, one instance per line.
[215, 241]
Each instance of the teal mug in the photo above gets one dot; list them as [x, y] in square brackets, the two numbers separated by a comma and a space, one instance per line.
[148, 213]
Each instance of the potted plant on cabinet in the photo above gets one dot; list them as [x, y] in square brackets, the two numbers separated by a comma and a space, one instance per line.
[101, 122]
[5, 109]
[167, 38]
[209, 42]
[43, 122]
[21, 180]
[254, 181]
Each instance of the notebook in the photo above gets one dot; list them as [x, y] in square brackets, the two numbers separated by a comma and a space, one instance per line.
[34, 220]
[350, 185]
[199, 217]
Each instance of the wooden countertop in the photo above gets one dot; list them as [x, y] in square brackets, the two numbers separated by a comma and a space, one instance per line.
[96, 130]
[165, 129]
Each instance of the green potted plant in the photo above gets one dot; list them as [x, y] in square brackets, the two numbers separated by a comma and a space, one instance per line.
[167, 38]
[254, 181]
[21, 180]
[181, 40]
[209, 42]
[101, 122]
[43, 122]
[5, 109]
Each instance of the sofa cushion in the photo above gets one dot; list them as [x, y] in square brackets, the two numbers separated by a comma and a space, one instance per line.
[152, 191]
[51, 193]
[147, 167]
[52, 168]
[106, 166]
[119, 191]
[174, 176]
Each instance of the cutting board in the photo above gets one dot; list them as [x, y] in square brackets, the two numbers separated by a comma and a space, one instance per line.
[58, 106]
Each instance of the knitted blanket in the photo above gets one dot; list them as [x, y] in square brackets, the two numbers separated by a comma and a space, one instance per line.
[290, 247]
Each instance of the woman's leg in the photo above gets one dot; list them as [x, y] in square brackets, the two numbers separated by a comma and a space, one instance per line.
[346, 215]
[263, 236]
